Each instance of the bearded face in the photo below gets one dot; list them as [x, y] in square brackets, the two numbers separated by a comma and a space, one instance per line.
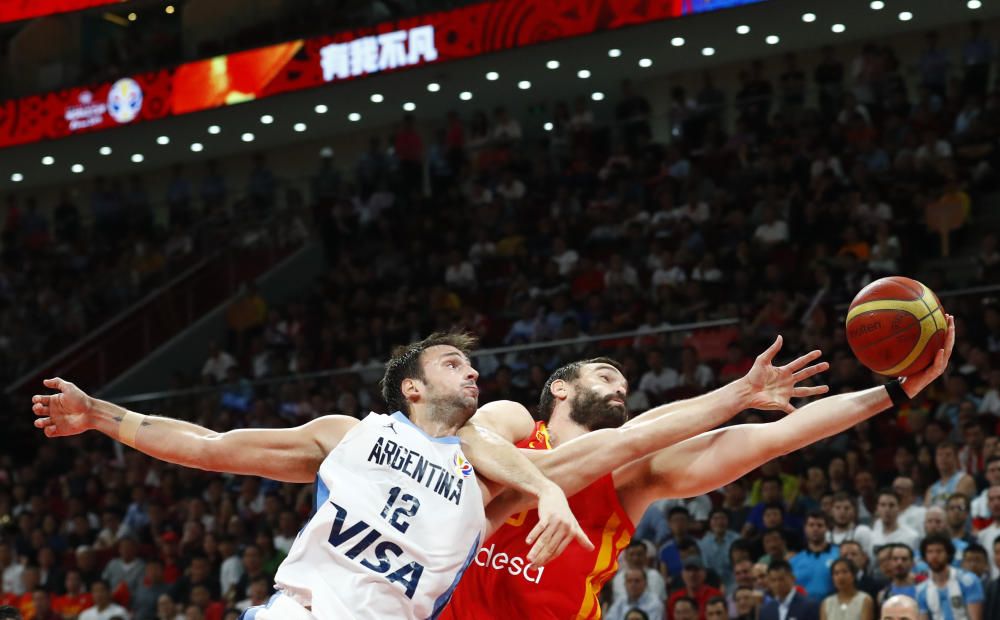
[595, 411]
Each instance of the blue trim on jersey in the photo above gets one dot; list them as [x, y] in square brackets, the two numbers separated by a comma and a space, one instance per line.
[442, 600]
[398, 416]
[322, 493]
[251, 612]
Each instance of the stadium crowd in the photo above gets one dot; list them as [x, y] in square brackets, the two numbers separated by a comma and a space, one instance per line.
[594, 231]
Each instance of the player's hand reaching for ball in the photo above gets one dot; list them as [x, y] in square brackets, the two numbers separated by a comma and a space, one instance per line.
[772, 387]
[917, 382]
[556, 528]
[67, 412]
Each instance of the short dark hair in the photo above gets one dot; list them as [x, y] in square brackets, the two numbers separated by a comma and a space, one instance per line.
[773, 506]
[678, 510]
[774, 530]
[636, 610]
[569, 373]
[906, 548]
[774, 479]
[716, 600]
[851, 568]
[818, 514]
[779, 565]
[686, 599]
[405, 364]
[889, 491]
[938, 539]
[975, 548]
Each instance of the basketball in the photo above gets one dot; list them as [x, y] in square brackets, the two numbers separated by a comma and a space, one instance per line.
[895, 326]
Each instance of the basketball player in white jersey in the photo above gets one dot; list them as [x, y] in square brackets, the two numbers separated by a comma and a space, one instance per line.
[399, 507]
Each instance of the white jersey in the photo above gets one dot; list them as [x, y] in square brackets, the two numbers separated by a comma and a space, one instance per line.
[399, 516]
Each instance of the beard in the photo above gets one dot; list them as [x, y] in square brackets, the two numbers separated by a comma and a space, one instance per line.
[454, 408]
[594, 412]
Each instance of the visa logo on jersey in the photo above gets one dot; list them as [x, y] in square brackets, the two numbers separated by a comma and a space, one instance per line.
[381, 556]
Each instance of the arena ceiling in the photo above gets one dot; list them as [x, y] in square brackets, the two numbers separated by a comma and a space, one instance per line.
[647, 51]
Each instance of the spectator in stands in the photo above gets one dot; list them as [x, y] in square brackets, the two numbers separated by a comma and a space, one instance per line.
[742, 578]
[253, 568]
[979, 509]
[811, 566]
[900, 607]
[866, 582]
[166, 609]
[11, 569]
[679, 520]
[637, 557]
[902, 578]
[74, 599]
[845, 526]
[847, 602]
[42, 606]
[887, 528]
[104, 608]
[145, 597]
[971, 456]
[715, 545]
[259, 595]
[948, 587]
[990, 533]
[976, 561]
[695, 588]
[684, 609]
[125, 571]
[217, 364]
[910, 513]
[10, 613]
[715, 609]
[952, 480]
[787, 602]
[957, 515]
[637, 595]
[991, 605]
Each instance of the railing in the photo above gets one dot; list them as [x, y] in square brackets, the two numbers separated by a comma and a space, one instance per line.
[141, 328]
[711, 337]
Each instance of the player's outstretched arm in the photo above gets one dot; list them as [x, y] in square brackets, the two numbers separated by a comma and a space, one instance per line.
[577, 463]
[714, 459]
[288, 455]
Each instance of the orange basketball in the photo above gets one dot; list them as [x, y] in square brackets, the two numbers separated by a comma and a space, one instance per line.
[895, 326]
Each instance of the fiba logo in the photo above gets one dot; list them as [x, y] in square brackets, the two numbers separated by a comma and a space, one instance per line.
[125, 100]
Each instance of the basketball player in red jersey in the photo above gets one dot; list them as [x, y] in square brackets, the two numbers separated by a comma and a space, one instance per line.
[590, 395]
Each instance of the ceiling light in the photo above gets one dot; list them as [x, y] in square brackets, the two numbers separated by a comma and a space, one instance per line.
[299, 127]
[614, 52]
[377, 98]
[492, 76]
[137, 158]
[48, 160]
[973, 4]
[197, 147]
[708, 51]
[267, 119]
[838, 28]
[548, 126]
[17, 177]
[677, 41]
[169, 9]
[583, 74]
[552, 64]
[645, 63]
[163, 140]
[524, 84]
[132, 17]
[247, 136]
[905, 16]
[433, 87]
[772, 39]
[321, 108]
[597, 96]
[877, 5]
[465, 95]
[743, 29]
[215, 129]
[104, 150]
[354, 117]
[76, 168]
[409, 106]
[808, 17]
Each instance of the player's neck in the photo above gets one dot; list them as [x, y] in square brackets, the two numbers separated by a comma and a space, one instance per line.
[563, 429]
[436, 422]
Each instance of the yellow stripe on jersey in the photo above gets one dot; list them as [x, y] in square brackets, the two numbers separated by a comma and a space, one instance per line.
[606, 556]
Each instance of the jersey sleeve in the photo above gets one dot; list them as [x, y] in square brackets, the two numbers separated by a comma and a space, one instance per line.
[922, 598]
[972, 589]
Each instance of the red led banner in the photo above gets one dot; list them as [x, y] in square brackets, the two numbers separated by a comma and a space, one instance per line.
[390, 46]
[16, 10]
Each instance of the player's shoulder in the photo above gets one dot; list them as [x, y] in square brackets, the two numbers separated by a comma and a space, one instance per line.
[507, 418]
[329, 430]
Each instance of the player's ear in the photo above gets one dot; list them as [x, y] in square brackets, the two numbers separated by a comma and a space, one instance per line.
[411, 389]
[560, 389]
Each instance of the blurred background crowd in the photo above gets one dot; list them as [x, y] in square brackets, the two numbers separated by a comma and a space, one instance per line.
[773, 203]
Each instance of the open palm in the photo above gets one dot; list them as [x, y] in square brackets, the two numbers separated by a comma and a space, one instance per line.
[774, 386]
[67, 412]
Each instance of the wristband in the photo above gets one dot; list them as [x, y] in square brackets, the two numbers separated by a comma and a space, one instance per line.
[897, 394]
[129, 427]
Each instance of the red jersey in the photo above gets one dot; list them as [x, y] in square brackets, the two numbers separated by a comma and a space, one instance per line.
[72, 605]
[501, 584]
